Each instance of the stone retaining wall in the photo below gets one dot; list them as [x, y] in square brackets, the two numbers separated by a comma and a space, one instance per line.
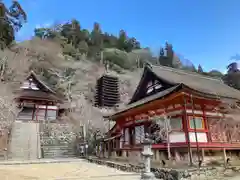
[57, 140]
[167, 173]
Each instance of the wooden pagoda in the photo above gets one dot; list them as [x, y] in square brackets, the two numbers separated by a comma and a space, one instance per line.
[107, 91]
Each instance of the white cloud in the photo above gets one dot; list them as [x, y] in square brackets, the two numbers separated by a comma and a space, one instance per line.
[38, 26]
[44, 25]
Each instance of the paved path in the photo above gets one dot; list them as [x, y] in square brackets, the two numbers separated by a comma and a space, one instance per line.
[234, 178]
[40, 161]
[80, 170]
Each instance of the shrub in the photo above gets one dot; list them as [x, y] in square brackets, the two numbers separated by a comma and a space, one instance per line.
[68, 49]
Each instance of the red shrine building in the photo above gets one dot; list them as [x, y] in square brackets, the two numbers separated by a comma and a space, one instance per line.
[186, 113]
[37, 100]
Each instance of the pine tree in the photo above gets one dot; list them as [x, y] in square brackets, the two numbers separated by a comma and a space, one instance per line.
[11, 20]
[122, 40]
[161, 52]
[161, 57]
[169, 51]
[233, 67]
[169, 54]
[200, 69]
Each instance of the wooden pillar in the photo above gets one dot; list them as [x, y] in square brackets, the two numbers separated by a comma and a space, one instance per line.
[206, 123]
[157, 155]
[224, 157]
[177, 155]
[195, 128]
[203, 154]
[46, 116]
[37, 111]
[33, 112]
[124, 153]
[186, 124]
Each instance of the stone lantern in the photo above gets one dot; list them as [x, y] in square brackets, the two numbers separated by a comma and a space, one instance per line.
[147, 154]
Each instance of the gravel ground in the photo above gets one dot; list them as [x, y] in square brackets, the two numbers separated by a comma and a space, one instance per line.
[63, 171]
[76, 169]
[235, 178]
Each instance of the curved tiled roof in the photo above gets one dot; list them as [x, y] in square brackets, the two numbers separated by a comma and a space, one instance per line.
[196, 81]
[178, 79]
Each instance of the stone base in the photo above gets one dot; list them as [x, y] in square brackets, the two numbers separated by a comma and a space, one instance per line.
[114, 154]
[148, 176]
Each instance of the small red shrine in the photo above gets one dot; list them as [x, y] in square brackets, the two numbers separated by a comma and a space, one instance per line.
[192, 111]
[37, 100]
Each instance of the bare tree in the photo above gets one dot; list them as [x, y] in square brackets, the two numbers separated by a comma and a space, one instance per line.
[8, 108]
[162, 129]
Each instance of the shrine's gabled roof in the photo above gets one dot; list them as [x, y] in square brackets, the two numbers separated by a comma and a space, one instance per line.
[40, 82]
[178, 79]
[204, 84]
[37, 95]
[41, 92]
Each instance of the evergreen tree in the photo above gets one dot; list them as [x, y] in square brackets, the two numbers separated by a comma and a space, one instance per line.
[232, 78]
[166, 59]
[122, 40]
[85, 35]
[75, 33]
[161, 52]
[169, 53]
[11, 20]
[233, 67]
[96, 36]
[200, 69]
[161, 57]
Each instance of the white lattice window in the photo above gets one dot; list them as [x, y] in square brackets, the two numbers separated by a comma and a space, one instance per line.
[29, 84]
[198, 122]
[176, 123]
[121, 139]
[41, 114]
[126, 136]
[139, 134]
[153, 86]
[51, 114]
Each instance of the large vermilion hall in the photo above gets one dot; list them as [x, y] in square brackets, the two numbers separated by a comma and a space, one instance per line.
[198, 113]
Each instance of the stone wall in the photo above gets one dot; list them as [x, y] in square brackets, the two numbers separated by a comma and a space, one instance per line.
[57, 140]
[173, 174]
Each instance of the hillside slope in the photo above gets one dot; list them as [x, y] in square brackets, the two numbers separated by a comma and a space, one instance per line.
[75, 79]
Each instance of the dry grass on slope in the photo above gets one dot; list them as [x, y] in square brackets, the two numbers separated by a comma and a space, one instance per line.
[44, 54]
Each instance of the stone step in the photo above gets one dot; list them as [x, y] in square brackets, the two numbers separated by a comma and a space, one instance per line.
[58, 150]
[24, 141]
[58, 147]
[62, 156]
[59, 153]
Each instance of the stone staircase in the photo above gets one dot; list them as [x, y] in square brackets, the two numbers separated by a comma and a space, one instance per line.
[25, 141]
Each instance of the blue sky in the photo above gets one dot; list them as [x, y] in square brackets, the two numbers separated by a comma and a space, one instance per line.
[207, 32]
